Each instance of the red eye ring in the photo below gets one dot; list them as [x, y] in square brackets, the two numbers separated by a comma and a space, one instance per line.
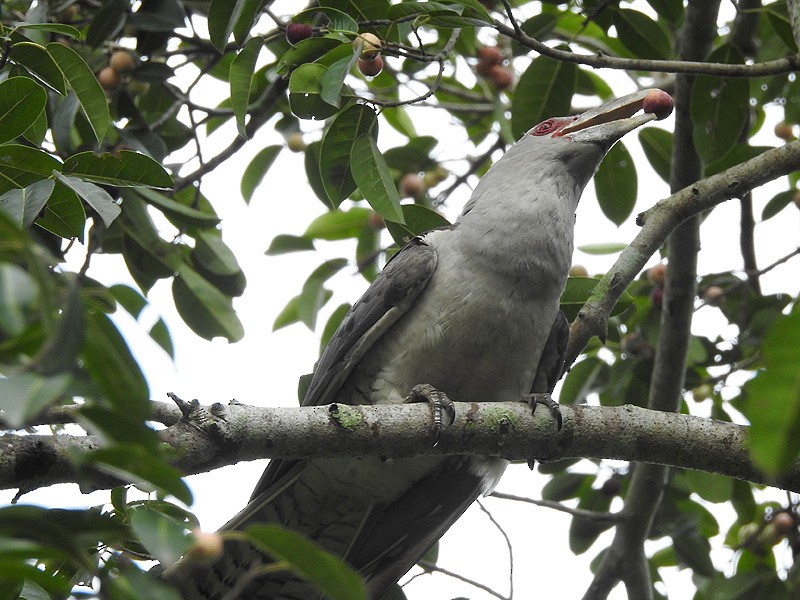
[545, 127]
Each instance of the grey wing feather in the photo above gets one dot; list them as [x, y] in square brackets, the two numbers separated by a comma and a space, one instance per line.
[391, 294]
[551, 364]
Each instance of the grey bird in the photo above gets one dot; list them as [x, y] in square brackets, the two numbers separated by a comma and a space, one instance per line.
[470, 312]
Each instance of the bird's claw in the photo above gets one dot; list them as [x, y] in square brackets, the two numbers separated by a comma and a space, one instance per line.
[547, 400]
[440, 404]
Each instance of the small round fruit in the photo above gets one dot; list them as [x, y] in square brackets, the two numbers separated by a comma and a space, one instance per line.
[785, 131]
[657, 297]
[578, 271]
[370, 67]
[295, 142]
[635, 345]
[658, 103]
[501, 77]
[297, 32]
[68, 15]
[122, 62]
[411, 185]
[206, 547]
[370, 45]
[702, 392]
[109, 79]
[657, 274]
[783, 522]
[490, 55]
[375, 221]
[612, 486]
[747, 533]
[713, 295]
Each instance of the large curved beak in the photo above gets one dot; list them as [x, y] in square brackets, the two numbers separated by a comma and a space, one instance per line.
[608, 122]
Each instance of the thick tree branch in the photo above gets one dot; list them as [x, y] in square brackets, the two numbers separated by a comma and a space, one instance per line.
[660, 220]
[236, 433]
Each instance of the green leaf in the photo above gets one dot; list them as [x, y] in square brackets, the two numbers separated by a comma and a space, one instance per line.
[657, 146]
[178, 211]
[337, 20]
[371, 175]
[641, 35]
[257, 169]
[121, 169]
[241, 80]
[305, 92]
[90, 95]
[159, 333]
[603, 248]
[95, 196]
[314, 295]
[18, 294]
[24, 205]
[336, 150]
[710, 486]
[130, 299]
[107, 21]
[165, 538]
[21, 166]
[222, 18]
[332, 576]
[22, 100]
[249, 13]
[59, 28]
[332, 82]
[720, 108]
[333, 324]
[418, 219]
[38, 61]
[578, 291]
[60, 351]
[133, 463]
[563, 486]
[616, 184]
[213, 254]
[413, 156]
[582, 531]
[581, 379]
[778, 202]
[111, 365]
[283, 244]
[338, 224]
[25, 395]
[63, 214]
[544, 90]
[773, 397]
[399, 119]
[205, 309]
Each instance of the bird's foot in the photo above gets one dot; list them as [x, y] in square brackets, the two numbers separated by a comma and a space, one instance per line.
[440, 405]
[547, 400]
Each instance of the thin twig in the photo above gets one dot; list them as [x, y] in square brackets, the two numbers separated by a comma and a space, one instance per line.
[581, 513]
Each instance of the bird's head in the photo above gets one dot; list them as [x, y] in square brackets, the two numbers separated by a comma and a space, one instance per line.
[578, 143]
[608, 122]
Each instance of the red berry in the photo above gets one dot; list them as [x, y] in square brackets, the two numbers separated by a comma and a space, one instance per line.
[109, 79]
[659, 103]
[501, 77]
[370, 67]
[783, 522]
[122, 61]
[370, 45]
[657, 297]
[713, 295]
[411, 185]
[785, 131]
[296, 32]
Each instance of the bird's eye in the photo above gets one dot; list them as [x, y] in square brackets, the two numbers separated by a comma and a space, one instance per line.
[545, 127]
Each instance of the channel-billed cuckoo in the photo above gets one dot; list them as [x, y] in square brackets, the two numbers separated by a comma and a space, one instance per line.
[470, 312]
